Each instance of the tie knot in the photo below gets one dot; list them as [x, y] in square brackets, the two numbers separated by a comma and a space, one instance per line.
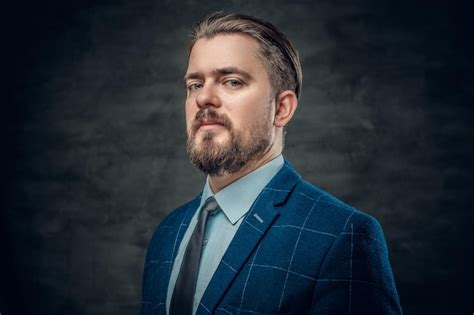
[210, 206]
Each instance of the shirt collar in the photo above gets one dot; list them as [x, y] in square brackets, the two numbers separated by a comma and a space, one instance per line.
[237, 198]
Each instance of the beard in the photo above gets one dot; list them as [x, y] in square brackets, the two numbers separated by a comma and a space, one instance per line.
[215, 158]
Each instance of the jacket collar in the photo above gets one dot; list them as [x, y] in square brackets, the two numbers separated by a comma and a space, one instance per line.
[237, 198]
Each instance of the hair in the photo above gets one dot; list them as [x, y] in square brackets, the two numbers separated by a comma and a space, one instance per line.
[277, 53]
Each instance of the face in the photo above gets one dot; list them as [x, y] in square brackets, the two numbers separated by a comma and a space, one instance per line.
[229, 104]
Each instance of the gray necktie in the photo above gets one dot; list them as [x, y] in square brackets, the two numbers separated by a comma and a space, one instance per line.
[185, 287]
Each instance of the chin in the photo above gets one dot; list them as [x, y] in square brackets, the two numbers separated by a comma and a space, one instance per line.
[212, 136]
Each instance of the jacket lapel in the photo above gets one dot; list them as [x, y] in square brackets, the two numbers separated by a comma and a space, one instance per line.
[176, 239]
[256, 223]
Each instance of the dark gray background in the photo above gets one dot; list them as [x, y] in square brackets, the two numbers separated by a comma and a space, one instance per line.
[93, 140]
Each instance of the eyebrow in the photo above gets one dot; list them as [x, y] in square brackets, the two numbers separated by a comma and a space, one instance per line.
[219, 72]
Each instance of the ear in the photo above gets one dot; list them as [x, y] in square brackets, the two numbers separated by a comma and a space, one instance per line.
[286, 104]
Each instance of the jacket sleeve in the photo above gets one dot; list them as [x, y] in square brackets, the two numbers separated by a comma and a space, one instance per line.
[356, 277]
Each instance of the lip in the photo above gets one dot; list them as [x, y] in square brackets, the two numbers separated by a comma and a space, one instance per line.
[209, 124]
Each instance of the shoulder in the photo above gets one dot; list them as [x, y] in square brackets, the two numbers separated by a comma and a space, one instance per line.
[355, 254]
[335, 215]
[354, 232]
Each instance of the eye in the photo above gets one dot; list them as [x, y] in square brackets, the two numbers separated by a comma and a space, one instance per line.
[233, 83]
[194, 86]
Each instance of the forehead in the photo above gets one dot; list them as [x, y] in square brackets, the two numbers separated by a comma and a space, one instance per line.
[225, 50]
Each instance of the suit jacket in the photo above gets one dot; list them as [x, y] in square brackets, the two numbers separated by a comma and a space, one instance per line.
[299, 250]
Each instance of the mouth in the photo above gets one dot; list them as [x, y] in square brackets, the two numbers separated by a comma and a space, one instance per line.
[209, 124]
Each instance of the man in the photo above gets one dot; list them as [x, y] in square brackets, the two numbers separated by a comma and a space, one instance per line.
[259, 239]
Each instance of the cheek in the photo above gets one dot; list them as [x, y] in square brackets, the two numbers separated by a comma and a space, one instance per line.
[190, 113]
[242, 110]
[254, 112]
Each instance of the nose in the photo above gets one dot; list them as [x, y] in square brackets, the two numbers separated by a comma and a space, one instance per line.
[207, 96]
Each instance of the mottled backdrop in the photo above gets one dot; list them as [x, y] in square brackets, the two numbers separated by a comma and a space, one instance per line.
[93, 132]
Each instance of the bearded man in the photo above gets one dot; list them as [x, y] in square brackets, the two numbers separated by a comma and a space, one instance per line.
[258, 239]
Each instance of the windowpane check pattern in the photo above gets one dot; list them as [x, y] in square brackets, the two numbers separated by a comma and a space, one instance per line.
[299, 250]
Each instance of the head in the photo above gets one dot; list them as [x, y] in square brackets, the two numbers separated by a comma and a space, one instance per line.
[276, 52]
[243, 81]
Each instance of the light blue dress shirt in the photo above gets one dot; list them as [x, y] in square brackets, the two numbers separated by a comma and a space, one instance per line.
[235, 201]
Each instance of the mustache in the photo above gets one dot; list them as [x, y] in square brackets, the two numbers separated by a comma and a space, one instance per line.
[210, 114]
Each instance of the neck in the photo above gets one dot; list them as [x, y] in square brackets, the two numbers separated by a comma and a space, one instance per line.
[218, 182]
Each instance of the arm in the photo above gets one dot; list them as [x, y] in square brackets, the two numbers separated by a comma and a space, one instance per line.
[356, 277]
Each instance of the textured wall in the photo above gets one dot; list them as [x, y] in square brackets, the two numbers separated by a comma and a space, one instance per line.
[93, 140]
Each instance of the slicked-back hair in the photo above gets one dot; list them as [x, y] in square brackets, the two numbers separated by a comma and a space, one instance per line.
[277, 53]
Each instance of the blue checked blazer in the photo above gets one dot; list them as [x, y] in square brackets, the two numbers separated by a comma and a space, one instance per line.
[299, 250]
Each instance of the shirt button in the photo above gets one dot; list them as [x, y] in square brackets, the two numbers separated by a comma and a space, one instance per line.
[204, 242]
